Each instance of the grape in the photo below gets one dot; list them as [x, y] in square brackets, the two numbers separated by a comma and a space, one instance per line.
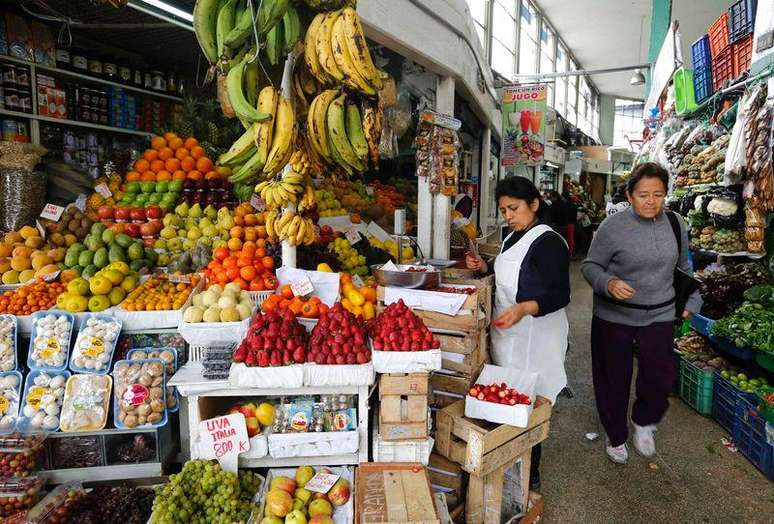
[203, 492]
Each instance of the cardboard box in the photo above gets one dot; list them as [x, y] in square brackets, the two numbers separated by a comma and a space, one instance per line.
[517, 415]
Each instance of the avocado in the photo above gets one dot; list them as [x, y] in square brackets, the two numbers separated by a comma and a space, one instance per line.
[89, 271]
[97, 228]
[101, 258]
[108, 236]
[116, 254]
[135, 251]
[85, 258]
[124, 240]
[136, 265]
[71, 258]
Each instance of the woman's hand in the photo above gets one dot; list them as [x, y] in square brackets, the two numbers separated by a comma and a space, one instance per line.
[687, 315]
[515, 313]
[619, 289]
[475, 262]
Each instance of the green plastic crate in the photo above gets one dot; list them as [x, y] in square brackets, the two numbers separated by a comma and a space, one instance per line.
[765, 360]
[765, 409]
[696, 387]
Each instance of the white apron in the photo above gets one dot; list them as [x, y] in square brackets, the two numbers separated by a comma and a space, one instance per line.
[534, 344]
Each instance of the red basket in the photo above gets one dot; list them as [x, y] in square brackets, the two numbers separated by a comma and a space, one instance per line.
[722, 69]
[742, 51]
[718, 35]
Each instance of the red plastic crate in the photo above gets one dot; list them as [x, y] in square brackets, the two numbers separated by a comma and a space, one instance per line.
[722, 69]
[718, 35]
[742, 51]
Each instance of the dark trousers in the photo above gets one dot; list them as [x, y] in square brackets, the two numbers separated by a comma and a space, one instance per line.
[612, 351]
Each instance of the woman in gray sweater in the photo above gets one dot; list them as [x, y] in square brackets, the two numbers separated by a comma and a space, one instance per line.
[630, 266]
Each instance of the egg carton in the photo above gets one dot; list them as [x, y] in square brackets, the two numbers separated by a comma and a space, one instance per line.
[42, 400]
[9, 340]
[215, 375]
[129, 388]
[95, 344]
[50, 338]
[10, 400]
[222, 367]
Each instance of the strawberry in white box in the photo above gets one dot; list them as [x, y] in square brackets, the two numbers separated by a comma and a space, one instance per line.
[503, 395]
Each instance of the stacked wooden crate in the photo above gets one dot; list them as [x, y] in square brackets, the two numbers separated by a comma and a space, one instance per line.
[487, 452]
[403, 406]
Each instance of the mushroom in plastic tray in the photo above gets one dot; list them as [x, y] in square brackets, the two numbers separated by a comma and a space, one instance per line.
[93, 350]
[86, 403]
[8, 340]
[43, 395]
[139, 394]
[50, 340]
[10, 396]
[170, 358]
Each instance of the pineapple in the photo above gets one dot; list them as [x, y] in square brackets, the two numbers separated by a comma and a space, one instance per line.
[188, 117]
[94, 201]
[213, 133]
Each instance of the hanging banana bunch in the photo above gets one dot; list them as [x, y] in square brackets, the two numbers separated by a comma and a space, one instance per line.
[289, 226]
[281, 191]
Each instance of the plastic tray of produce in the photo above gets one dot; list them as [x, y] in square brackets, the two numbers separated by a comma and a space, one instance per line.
[171, 358]
[139, 397]
[9, 340]
[18, 494]
[76, 452]
[42, 400]
[50, 339]
[95, 344]
[21, 453]
[10, 399]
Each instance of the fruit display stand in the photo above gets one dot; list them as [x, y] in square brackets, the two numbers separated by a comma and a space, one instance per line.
[394, 492]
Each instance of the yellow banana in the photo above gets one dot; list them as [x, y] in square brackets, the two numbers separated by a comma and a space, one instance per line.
[358, 47]
[310, 49]
[337, 132]
[267, 103]
[317, 123]
[271, 216]
[283, 136]
[285, 219]
[324, 49]
[345, 61]
[241, 149]
[301, 232]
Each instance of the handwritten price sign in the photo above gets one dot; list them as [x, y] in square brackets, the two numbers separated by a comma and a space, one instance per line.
[224, 438]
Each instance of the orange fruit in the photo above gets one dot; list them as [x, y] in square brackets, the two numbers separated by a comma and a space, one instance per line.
[148, 176]
[132, 176]
[194, 175]
[178, 175]
[163, 175]
[150, 155]
[248, 248]
[175, 143]
[229, 262]
[169, 135]
[232, 273]
[250, 234]
[197, 152]
[204, 164]
[172, 165]
[250, 220]
[236, 232]
[157, 165]
[248, 273]
[240, 221]
[157, 142]
[141, 165]
[211, 175]
[187, 163]
[165, 153]
[191, 142]
[181, 153]
[234, 244]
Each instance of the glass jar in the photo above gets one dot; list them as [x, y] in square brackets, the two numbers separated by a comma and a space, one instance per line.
[171, 82]
[63, 58]
[158, 81]
[96, 66]
[110, 69]
[125, 74]
[137, 77]
[79, 61]
[147, 80]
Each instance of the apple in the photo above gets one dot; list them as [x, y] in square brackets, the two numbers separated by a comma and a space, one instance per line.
[253, 426]
[133, 230]
[105, 212]
[122, 214]
[137, 214]
[154, 212]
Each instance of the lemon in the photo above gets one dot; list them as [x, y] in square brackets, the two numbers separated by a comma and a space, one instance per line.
[116, 296]
[76, 304]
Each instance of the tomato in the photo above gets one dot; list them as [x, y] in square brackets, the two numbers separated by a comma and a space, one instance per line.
[310, 310]
[270, 281]
[248, 273]
[268, 262]
[257, 285]
[232, 273]
[242, 283]
[286, 291]
[221, 253]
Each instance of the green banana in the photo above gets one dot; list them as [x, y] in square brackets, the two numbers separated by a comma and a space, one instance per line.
[291, 27]
[355, 132]
[224, 24]
[337, 131]
[252, 78]
[274, 43]
[242, 29]
[270, 14]
[241, 150]
[248, 170]
[205, 14]
[336, 158]
[236, 95]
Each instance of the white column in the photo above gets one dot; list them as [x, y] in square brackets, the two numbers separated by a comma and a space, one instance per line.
[484, 188]
[424, 217]
[288, 251]
[444, 103]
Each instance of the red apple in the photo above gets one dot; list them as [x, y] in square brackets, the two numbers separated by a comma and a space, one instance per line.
[253, 426]
[154, 212]
[105, 212]
[137, 214]
[123, 214]
[133, 230]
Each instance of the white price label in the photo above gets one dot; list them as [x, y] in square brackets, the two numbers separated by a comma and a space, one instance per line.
[302, 287]
[52, 212]
[257, 202]
[224, 438]
[369, 191]
[357, 280]
[352, 235]
[322, 482]
[103, 190]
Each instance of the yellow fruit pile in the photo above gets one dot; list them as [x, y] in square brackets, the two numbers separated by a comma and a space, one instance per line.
[24, 255]
[107, 287]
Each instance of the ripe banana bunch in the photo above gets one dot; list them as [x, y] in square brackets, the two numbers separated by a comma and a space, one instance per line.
[328, 5]
[299, 162]
[305, 87]
[373, 117]
[308, 201]
[336, 131]
[279, 193]
[336, 52]
[290, 226]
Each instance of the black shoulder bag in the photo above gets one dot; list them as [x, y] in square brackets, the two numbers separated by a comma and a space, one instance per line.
[683, 283]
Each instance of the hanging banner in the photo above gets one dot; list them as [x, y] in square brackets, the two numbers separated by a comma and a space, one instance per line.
[524, 124]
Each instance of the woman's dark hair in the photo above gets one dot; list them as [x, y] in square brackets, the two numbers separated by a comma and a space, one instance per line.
[647, 170]
[523, 189]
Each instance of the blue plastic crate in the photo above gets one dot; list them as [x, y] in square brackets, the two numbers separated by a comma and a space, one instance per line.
[702, 83]
[750, 437]
[724, 399]
[703, 325]
[741, 19]
[700, 54]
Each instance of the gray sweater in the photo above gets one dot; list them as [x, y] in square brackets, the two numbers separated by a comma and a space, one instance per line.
[642, 253]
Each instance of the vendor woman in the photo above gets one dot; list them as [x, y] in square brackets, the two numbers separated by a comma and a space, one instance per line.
[533, 288]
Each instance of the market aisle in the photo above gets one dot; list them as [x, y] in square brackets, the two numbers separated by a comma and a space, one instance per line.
[694, 478]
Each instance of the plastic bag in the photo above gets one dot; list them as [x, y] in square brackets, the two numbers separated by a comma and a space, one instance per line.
[86, 403]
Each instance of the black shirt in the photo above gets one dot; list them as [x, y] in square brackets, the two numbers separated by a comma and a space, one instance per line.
[545, 272]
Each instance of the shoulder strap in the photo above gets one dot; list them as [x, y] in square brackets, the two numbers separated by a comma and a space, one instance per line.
[673, 221]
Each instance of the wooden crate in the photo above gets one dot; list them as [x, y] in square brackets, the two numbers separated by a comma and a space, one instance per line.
[392, 493]
[403, 406]
[481, 447]
[447, 474]
[471, 348]
[485, 496]
[458, 383]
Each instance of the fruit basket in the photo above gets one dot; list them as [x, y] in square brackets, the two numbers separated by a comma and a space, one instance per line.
[150, 320]
[234, 307]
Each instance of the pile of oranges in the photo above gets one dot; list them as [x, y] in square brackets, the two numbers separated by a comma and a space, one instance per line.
[33, 297]
[249, 226]
[159, 294]
[250, 267]
[311, 307]
[173, 158]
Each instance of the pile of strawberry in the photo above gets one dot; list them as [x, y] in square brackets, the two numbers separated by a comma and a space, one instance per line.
[274, 338]
[338, 338]
[499, 394]
[397, 328]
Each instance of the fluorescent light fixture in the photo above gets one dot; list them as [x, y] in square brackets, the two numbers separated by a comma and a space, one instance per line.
[163, 6]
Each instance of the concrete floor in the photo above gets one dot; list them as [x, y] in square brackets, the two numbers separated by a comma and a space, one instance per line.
[694, 478]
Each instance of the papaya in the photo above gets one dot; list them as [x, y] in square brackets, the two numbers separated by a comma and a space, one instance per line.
[101, 257]
[85, 258]
[124, 240]
[89, 271]
[71, 258]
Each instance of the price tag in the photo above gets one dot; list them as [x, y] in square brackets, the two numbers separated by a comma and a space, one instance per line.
[52, 212]
[135, 395]
[51, 349]
[302, 287]
[224, 438]
[357, 280]
[322, 482]
[103, 190]
[352, 235]
[179, 279]
[96, 348]
[257, 202]
[34, 396]
[3, 405]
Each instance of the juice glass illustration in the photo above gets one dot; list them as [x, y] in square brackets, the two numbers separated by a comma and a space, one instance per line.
[535, 118]
[524, 120]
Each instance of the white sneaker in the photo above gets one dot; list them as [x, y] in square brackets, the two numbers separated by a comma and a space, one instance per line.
[643, 440]
[617, 454]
